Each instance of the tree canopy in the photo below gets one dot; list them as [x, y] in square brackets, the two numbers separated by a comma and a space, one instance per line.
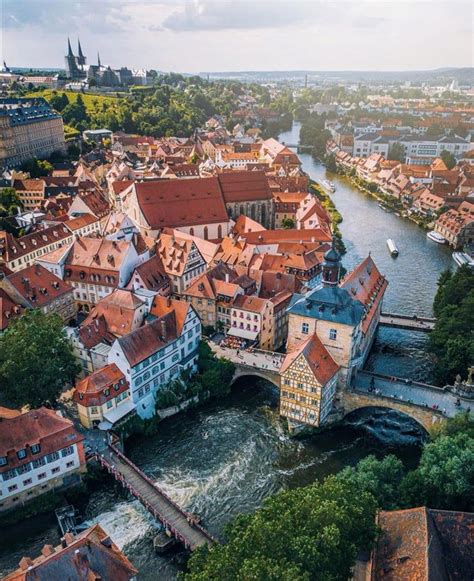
[36, 359]
[452, 341]
[308, 533]
[448, 159]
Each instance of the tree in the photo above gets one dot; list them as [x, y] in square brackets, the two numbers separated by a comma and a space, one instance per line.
[36, 359]
[9, 200]
[448, 158]
[287, 223]
[444, 478]
[37, 168]
[397, 152]
[314, 532]
[452, 341]
[331, 163]
[381, 478]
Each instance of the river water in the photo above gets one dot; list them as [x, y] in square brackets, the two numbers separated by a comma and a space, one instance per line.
[226, 457]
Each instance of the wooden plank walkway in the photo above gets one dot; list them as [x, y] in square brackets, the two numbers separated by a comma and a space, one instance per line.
[424, 324]
[177, 521]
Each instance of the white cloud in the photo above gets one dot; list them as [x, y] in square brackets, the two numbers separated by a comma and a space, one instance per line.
[242, 35]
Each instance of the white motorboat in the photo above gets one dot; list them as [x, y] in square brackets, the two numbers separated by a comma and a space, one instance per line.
[463, 259]
[328, 185]
[435, 237]
[392, 247]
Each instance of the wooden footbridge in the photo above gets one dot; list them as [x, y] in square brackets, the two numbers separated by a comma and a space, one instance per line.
[414, 323]
[178, 523]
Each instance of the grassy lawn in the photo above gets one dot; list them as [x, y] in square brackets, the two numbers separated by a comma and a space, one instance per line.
[88, 98]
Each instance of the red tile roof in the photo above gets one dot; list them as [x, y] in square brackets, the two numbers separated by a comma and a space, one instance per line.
[318, 358]
[181, 202]
[244, 186]
[40, 426]
[90, 391]
[38, 286]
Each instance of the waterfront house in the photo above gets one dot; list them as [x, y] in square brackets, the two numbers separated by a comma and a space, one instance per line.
[308, 383]
[344, 314]
[103, 398]
[39, 451]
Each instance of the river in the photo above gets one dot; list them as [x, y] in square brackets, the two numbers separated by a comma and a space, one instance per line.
[226, 457]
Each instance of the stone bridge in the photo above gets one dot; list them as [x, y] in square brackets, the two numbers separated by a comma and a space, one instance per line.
[246, 370]
[426, 417]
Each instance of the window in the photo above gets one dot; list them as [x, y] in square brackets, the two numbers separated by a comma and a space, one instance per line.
[35, 448]
[12, 488]
[21, 454]
[109, 404]
[27, 482]
[55, 470]
[305, 328]
[67, 451]
[23, 469]
[3, 461]
[70, 464]
[42, 475]
[39, 462]
[332, 334]
[53, 457]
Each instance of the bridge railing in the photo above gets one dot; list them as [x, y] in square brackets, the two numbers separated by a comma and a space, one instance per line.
[407, 402]
[404, 381]
[160, 491]
[409, 317]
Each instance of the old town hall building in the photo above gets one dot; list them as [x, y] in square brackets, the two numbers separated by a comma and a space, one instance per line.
[331, 329]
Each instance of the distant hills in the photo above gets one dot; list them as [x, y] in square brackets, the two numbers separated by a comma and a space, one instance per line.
[464, 76]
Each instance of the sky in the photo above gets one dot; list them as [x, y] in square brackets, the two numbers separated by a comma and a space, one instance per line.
[232, 35]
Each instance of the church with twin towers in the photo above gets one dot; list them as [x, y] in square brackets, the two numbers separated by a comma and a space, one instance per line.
[78, 70]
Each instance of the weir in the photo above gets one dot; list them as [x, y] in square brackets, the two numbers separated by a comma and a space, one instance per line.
[178, 523]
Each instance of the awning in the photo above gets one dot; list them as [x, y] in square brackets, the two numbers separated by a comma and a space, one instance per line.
[114, 415]
[243, 333]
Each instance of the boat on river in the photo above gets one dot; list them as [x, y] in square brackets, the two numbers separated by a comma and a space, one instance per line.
[463, 259]
[329, 185]
[435, 237]
[384, 207]
[392, 247]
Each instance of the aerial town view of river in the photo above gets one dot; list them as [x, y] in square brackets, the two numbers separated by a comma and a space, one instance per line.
[228, 456]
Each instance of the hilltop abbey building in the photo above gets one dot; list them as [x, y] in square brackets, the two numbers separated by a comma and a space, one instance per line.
[77, 69]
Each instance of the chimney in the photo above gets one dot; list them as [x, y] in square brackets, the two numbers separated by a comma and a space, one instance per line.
[163, 330]
[47, 550]
[25, 563]
[68, 537]
[227, 277]
[168, 301]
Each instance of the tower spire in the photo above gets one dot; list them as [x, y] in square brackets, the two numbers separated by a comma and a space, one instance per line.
[98, 59]
[79, 49]
[69, 49]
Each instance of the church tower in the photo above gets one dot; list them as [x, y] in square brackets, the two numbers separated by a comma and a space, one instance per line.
[81, 59]
[331, 266]
[70, 60]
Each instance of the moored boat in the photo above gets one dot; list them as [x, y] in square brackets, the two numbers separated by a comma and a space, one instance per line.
[463, 259]
[435, 237]
[392, 247]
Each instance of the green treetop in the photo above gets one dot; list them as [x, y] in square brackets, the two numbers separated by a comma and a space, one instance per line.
[36, 359]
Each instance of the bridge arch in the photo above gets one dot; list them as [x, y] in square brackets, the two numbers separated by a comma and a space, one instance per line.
[425, 417]
[270, 376]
